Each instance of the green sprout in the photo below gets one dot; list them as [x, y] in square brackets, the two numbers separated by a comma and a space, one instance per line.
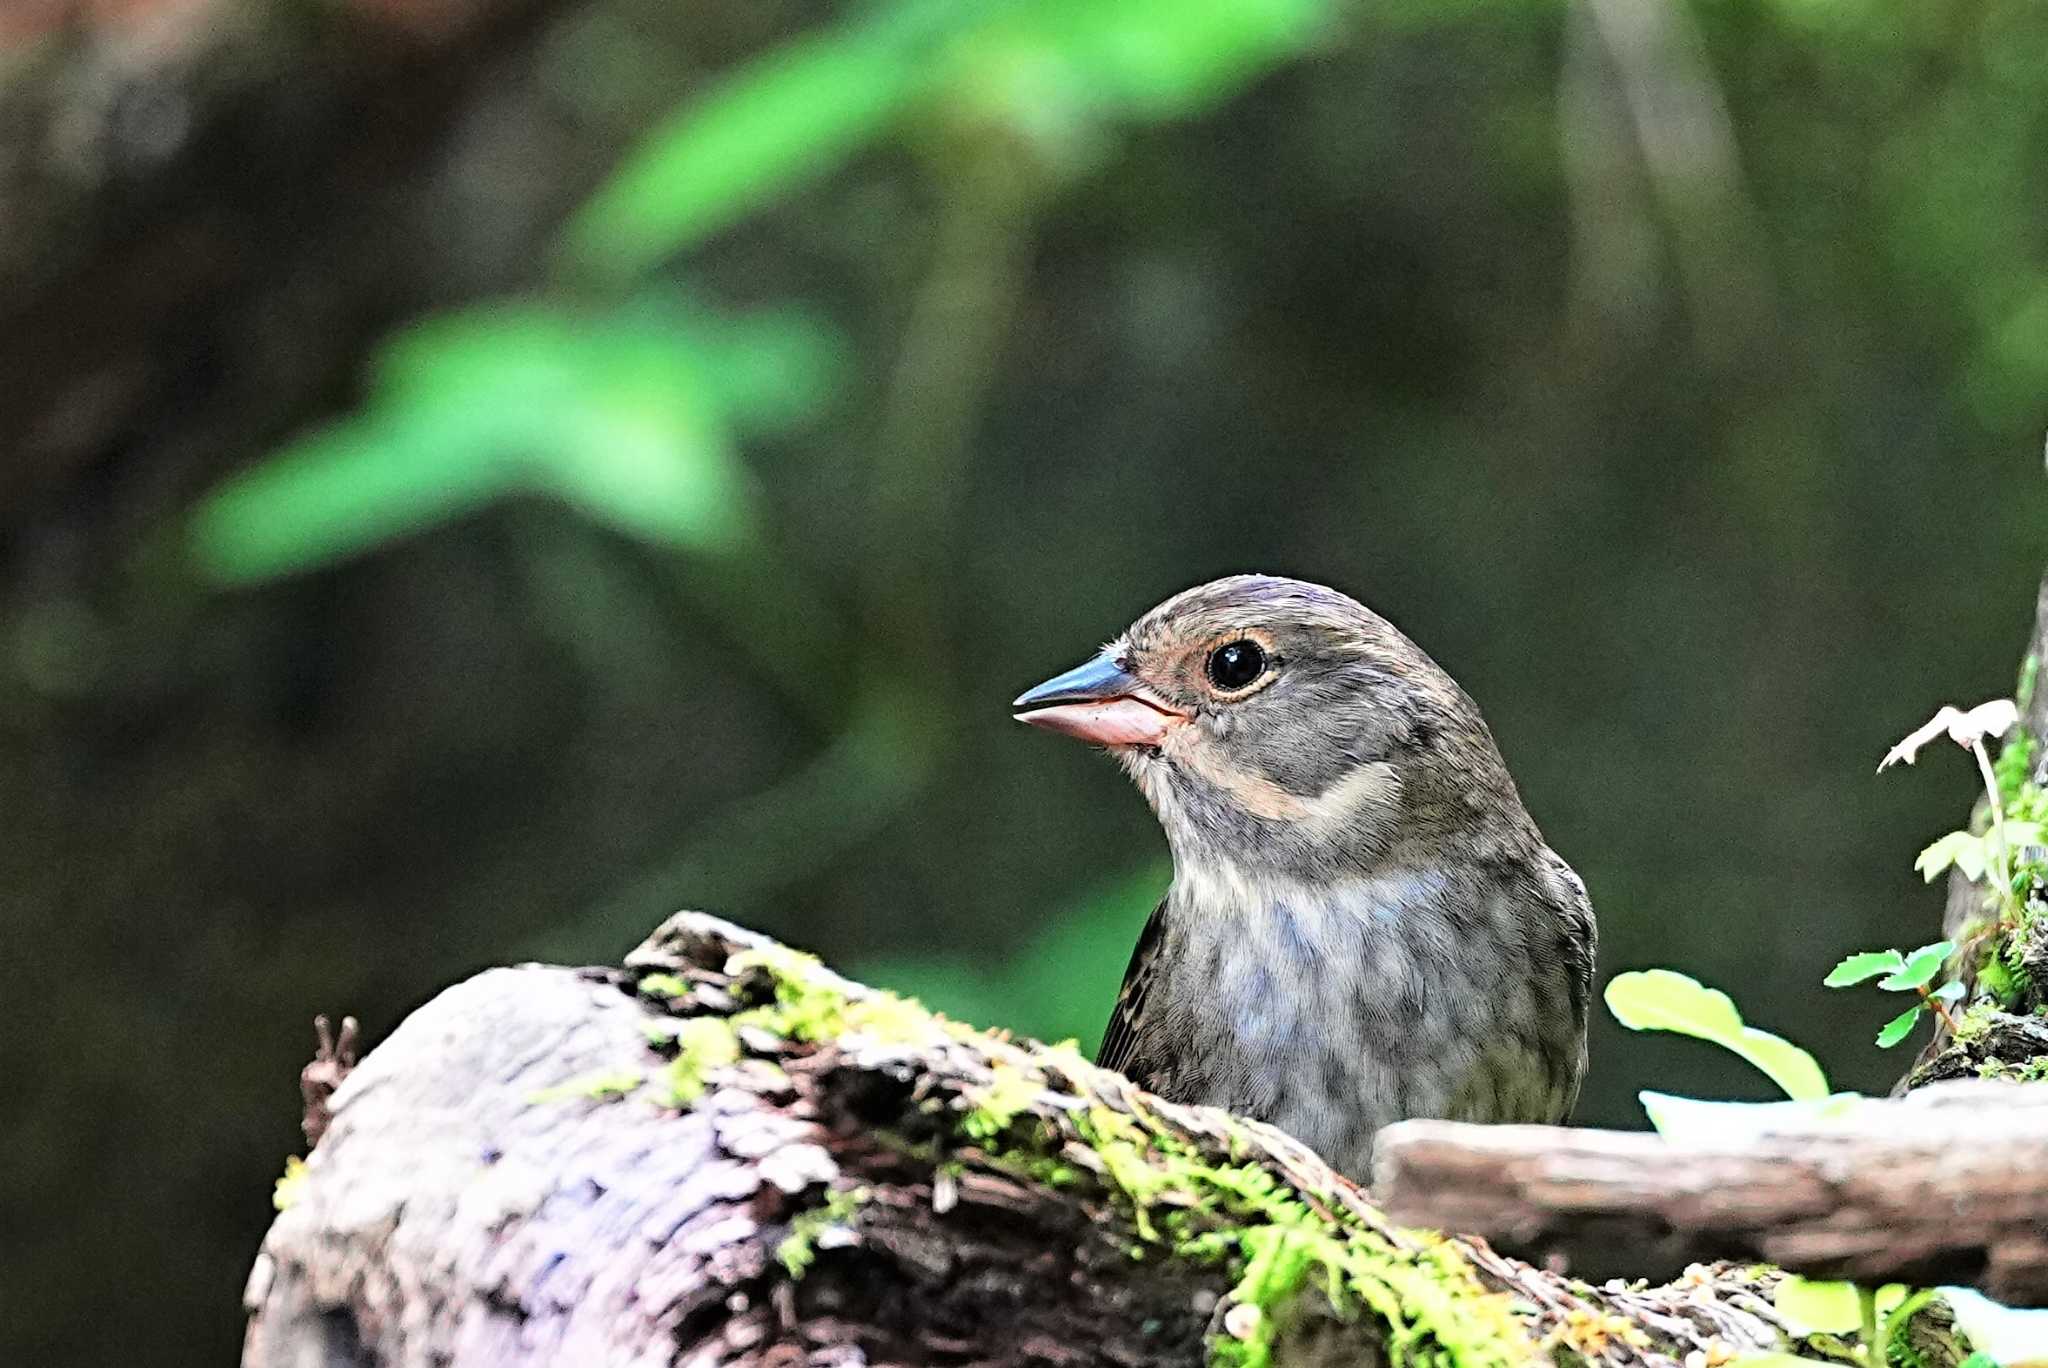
[1902, 973]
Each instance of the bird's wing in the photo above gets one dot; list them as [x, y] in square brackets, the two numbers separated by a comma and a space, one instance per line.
[1120, 1038]
[1578, 947]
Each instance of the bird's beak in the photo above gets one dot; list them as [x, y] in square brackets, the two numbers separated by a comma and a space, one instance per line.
[1101, 702]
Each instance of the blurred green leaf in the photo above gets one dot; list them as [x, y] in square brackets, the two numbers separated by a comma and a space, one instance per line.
[632, 416]
[1147, 59]
[1949, 992]
[1819, 1307]
[1920, 967]
[1962, 849]
[791, 114]
[2019, 834]
[1661, 1000]
[1048, 70]
[767, 371]
[1679, 1116]
[1859, 967]
[653, 461]
[1899, 1027]
[343, 489]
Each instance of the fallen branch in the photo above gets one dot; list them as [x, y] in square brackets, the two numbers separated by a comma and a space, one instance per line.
[724, 1153]
[1948, 1185]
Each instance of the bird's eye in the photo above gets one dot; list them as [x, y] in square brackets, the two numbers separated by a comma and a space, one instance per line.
[1236, 665]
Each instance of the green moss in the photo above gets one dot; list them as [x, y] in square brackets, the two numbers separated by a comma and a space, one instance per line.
[664, 986]
[799, 1249]
[2033, 1071]
[612, 1083]
[1997, 979]
[808, 1006]
[702, 1045]
[2014, 767]
[1183, 1204]
[1010, 1092]
[1972, 1021]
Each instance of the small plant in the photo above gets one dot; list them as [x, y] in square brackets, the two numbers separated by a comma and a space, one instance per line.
[2009, 858]
[1989, 855]
[1902, 974]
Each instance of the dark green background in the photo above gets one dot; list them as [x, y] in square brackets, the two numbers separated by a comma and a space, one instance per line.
[1706, 454]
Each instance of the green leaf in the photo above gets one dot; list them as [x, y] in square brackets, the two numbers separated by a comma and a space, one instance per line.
[1899, 1027]
[653, 462]
[1661, 1000]
[1978, 1359]
[786, 117]
[1693, 1116]
[1148, 59]
[1774, 1359]
[1920, 967]
[1949, 992]
[1962, 849]
[343, 489]
[1817, 1307]
[631, 416]
[2021, 834]
[1867, 965]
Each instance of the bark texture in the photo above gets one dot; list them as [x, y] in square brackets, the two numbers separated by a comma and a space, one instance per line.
[722, 1153]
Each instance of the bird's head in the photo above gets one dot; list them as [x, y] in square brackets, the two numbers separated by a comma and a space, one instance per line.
[1282, 726]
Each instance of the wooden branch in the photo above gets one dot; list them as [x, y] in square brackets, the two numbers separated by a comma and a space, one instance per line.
[722, 1153]
[1949, 1185]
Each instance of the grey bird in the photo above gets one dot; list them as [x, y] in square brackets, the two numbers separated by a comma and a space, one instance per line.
[1364, 923]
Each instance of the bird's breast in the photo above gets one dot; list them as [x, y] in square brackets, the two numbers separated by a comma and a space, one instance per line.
[1333, 1012]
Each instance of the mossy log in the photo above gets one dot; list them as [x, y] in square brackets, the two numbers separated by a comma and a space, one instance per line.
[723, 1153]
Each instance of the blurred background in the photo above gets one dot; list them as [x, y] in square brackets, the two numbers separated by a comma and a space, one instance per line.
[478, 475]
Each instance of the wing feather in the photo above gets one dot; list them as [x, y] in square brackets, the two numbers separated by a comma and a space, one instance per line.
[1127, 1019]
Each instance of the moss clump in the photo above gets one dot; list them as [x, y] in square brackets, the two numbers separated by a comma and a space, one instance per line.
[810, 1006]
[702, 1044]
[663, 986]
[1280, 1249]
[799, 1249]
[1010, 1092]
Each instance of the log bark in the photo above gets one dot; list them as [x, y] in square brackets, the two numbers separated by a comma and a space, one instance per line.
[1949, 1185]
[722, 1153]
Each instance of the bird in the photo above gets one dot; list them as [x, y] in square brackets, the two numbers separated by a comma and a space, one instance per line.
[1364, 924]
